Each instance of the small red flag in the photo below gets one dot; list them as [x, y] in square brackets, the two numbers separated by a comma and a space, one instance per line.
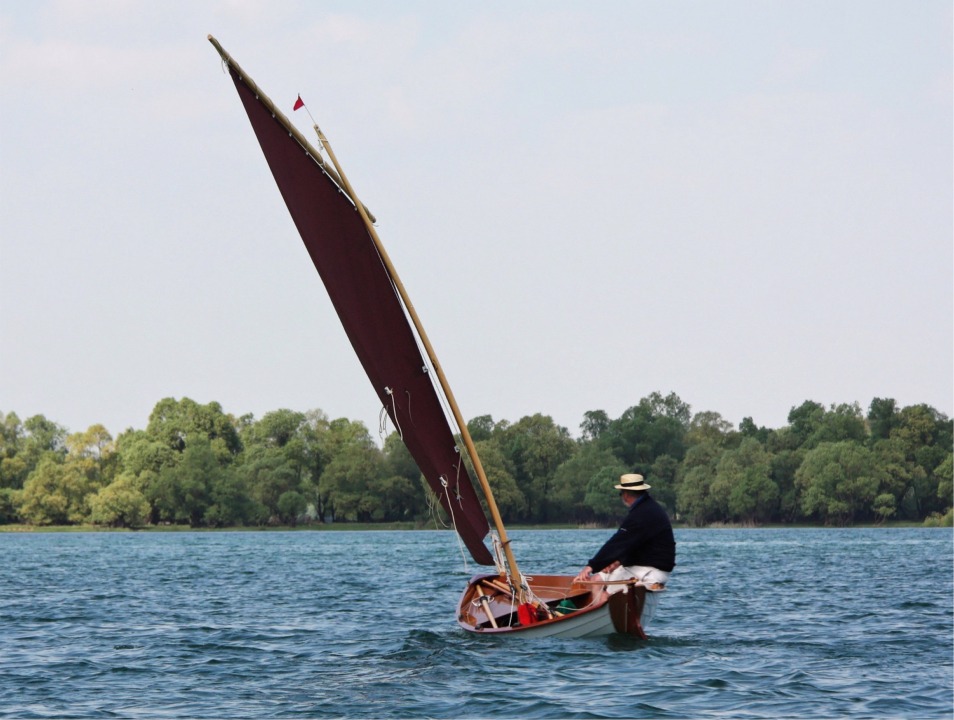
[298, 103]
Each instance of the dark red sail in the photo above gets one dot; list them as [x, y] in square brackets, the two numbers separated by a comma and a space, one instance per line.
[372, 314]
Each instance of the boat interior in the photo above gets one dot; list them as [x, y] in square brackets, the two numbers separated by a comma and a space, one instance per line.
[489, 601]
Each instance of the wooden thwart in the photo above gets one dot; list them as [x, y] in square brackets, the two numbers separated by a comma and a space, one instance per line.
[497, 585]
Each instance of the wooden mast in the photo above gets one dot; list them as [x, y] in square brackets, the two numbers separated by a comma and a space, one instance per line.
[342, 180]
[445, 386]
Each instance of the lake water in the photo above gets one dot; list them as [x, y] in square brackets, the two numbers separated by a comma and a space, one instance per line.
[755, 624]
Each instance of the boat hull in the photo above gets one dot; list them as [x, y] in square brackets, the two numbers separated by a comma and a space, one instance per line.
[566, 609]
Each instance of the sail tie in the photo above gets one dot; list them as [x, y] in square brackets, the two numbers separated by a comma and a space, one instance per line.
[383, 423]
[450, 507]
[433, 506]
[394, 413]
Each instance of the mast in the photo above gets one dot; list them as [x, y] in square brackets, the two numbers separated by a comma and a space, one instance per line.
[516, 577]
[342, 181]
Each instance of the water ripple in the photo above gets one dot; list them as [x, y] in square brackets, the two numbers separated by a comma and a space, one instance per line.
[758, 624]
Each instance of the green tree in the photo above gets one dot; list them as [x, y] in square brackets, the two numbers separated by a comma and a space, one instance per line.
[572, 479]
[748, 428]
[944, 478]
[291, 504]
[145, 458]
[595, 423]
[94, 450]
[511, 502]
[337, 446]
[119, 504]
[744, 485]
[348, 480]
[39, 439]
[662, 479]
[281, 462]
[317, 449]
[400, 498]
[232, 503]
[601, 497]
[268, 473]
[481, 428]
[56, 493]
[536, 447]
[138, 452]
[13, 465]
[811, 424]
[785, 464]
[184, 491]
[276, 429]
[838, 481]
[925, 438]
[804, 421]
[901, 476]
[670, 406]
[43, 500]
[885, 505]
[656, 426]
[95, 443]
[840, 422]
[13, 472]
[176, 423]
[9, 505]
[398, 460]
[709, 426]
[697, 472]
[399, 487]
[882, 418]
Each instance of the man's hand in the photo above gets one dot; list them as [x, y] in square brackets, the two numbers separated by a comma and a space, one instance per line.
[584, 574]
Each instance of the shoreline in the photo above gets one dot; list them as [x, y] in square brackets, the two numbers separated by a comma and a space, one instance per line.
[404, 526]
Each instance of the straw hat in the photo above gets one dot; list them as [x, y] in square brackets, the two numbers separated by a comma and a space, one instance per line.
[632, 482]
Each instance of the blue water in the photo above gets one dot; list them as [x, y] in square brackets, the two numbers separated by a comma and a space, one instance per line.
[756, 624]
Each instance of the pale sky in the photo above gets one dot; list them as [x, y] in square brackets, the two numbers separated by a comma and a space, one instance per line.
[746, 203]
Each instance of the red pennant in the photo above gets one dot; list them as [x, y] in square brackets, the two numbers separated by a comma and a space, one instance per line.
[298, 103]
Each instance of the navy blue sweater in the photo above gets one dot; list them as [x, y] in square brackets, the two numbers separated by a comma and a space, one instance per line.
[644, 538]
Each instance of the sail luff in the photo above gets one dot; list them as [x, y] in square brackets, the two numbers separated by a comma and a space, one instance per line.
[515, 575]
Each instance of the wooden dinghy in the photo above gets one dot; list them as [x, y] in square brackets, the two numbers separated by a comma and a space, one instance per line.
[561, 607]
[397, 356]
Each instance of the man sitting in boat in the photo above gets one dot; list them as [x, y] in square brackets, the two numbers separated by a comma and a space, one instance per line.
[643, 548]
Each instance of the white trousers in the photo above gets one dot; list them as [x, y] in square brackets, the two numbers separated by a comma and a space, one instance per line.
[643, 573]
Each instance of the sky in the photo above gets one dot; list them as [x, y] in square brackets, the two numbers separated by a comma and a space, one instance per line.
[748, 204]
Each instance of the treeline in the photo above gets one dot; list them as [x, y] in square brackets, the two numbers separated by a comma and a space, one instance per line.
[195, 464]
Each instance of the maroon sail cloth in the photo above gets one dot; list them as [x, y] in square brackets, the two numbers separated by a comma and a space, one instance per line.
[373, 317]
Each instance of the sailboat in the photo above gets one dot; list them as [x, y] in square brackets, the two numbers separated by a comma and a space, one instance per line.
[386, 333]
